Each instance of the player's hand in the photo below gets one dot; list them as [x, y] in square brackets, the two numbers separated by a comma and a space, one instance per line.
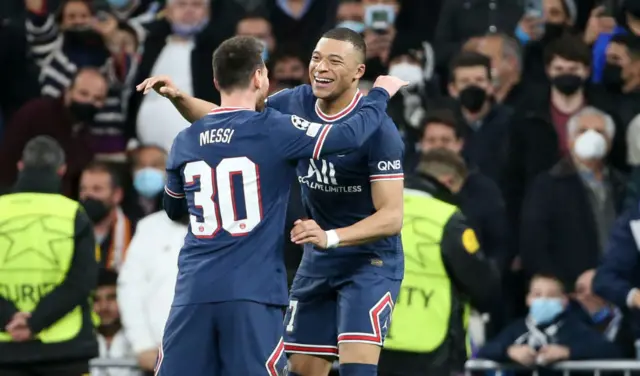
[390, 84]
[308, 231]
[161, 85]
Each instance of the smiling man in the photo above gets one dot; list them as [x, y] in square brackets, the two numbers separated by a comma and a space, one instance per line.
[357, 197]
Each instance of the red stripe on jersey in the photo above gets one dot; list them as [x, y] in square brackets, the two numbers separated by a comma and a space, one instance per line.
[386, 177]
[272, 361]
[320, 141]
[347, 110]
[374, 316]
[308, 349]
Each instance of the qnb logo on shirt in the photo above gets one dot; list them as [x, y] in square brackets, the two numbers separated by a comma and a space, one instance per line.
[321, 176]
[389, 165]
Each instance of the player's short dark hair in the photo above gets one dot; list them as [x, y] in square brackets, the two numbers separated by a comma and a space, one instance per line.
[107, 277]
[350, 36]
[440, 161]
[569, 47]
[99, 166]
[468, 59]
[235, 61]
[43, 152]
[442, 116]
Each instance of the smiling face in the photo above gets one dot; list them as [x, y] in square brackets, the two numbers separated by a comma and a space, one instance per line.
[335, 67]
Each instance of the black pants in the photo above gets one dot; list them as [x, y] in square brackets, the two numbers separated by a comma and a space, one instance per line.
[68, 368]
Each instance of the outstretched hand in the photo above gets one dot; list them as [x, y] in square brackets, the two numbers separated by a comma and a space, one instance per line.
[391, 84]
[161, 85]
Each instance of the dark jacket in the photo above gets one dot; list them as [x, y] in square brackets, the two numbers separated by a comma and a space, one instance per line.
[201, 69]
[583, 342]
[75, 291]
[559, 234]
[475, 280]
[45, 116]
[619, 271]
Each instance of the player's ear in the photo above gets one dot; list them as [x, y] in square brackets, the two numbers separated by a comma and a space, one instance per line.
[257, 78]
[215, 83]
[360, 71]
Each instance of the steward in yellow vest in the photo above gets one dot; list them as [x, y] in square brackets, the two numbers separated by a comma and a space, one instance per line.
[48, 271]
[445, 272]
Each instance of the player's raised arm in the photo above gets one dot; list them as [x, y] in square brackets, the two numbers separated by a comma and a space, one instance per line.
[173, 201]
[191, 108]
[297, 138]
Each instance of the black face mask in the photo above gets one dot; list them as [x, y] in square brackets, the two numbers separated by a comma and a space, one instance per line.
[473, 98]
[83, 112]
[553, 31]
[612, 77]
[83, 37]
[290, 82]
[567, 84]
[96, 209]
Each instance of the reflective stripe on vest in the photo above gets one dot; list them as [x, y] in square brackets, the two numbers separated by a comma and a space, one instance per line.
[422, 311]
[36, 249]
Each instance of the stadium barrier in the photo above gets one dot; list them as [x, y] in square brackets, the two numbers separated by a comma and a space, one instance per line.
[130, 363]
[595, 366]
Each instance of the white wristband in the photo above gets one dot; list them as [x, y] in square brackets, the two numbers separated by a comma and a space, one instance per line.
[332, 238]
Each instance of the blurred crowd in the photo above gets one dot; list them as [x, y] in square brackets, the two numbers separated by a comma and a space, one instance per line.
[541, 99]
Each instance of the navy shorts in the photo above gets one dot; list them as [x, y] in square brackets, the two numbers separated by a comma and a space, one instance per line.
[324, 312]
[223, 339]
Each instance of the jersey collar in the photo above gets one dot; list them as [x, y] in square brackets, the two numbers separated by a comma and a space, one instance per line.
[346, 111]
[225, 110]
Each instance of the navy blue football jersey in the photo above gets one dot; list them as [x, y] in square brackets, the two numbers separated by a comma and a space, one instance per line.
[234, 167]
[336, 189]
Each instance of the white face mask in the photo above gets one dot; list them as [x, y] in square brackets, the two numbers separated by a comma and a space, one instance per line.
[407, 71]
[590, 145]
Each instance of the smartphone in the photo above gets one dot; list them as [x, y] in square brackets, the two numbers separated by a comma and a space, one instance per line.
[534, 8]
[610, 8]
[379, 17]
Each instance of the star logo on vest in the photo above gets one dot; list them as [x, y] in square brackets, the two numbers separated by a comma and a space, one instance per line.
[32, 241]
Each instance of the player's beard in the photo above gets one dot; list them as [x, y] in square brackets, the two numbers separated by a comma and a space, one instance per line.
[260, 102]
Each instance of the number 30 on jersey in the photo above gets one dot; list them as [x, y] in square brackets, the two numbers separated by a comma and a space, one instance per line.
[223, 212]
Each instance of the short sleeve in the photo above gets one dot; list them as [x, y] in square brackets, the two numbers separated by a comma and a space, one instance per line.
[295, 137]
[386, 153]
[174, 186]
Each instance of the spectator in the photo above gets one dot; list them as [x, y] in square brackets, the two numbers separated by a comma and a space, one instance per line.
[602, 315]
[379, 34]
[428, 334]
[477, 196]
[136, 11]
[570, 209]
[49, 269]
[65, 119]
[288, 70]
[621, 77]
[486, 123]
[258, 27]
[618, 276]
[538, 139]
[77, 38]
[181, 47]
[547, 335]
[101, 195]
[148, 170]
[351, 15]
[112, 342]
[460, 20]
[146, 284]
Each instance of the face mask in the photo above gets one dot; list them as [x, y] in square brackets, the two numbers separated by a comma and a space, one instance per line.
[356, 26]
[612, 77]
[567, 84]
[118, 4]
[407, 72]
[473, 98]
[590, 145]
[95, 209]
[188, 31]
[545, 310]
[148, 182]
[601, 315]
[553, 31]
[83, 37]
[290, 82]
[83, 112]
